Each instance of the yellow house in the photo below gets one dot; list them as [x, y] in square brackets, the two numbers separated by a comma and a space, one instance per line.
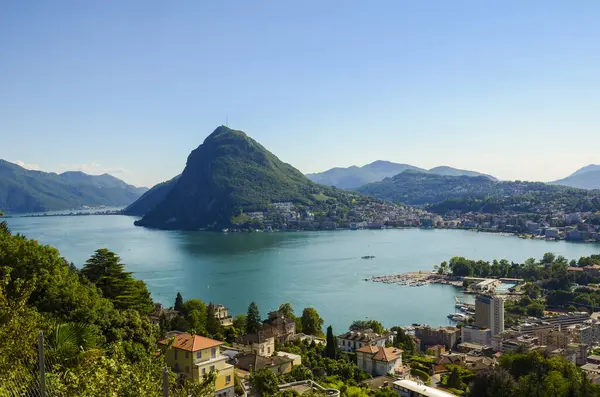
[194, 356]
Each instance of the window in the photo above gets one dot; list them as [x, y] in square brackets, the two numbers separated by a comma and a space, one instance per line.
[343, 343]
[212, 368]
[187, 355]
[203, 371]
[213, 352]
[268, 350]
[199, 355]
[175, 353]
[228, 379]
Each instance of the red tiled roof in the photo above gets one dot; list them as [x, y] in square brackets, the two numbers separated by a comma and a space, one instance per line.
[368, 349]
[387, 354]
[189, 342]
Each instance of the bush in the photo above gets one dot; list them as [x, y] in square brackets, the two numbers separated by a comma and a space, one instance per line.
[424, 376]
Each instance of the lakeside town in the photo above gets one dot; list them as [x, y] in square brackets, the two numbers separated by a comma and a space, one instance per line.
[507, 318]
[577, 226]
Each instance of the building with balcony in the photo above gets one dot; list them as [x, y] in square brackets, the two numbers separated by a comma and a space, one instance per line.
[350, 341]
[194, 356]
[222, 314]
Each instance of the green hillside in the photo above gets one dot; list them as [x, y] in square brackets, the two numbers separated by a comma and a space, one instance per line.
[231, 173]
[149, 200]
[480, 193]
[23, 190]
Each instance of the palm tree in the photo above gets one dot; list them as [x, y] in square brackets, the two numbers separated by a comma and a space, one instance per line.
[71, 342]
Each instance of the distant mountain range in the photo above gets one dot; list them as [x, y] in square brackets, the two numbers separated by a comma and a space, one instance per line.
[479, 193]
[226, 177]
[23, 190]
[585, 178]
[354, 177]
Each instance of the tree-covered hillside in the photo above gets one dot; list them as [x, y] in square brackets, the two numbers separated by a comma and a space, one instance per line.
[149, 200]
[482, 194]
[229, 174]
[23, 190]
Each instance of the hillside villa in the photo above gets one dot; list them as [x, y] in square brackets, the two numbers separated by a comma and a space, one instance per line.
[194, 356]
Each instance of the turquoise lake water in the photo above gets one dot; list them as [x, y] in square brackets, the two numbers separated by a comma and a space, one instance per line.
[318, 269]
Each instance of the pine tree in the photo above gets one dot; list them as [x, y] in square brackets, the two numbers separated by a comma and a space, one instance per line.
[253, 323]
[331, 346]
[178, 302]
[212, 323]
[106, 271]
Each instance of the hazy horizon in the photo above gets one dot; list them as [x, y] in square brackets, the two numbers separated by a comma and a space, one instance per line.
[508, 89]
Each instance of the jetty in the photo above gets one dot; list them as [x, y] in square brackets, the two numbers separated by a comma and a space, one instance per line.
[411, 279]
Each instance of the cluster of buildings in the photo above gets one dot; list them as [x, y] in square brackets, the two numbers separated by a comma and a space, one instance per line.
[478, 345]
[362, 215]
[579, 226]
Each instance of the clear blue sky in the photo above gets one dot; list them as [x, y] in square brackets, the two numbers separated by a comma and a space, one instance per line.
[510, 88]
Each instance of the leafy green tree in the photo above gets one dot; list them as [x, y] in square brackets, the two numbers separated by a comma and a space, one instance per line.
[213, 326]
[312, 323]
[331, 346]
[265, 382]
[194, 312]
[239, 322]
[178, 302]
[253, 323]
[496, 382]
[105, 270]
[287, 310]
[548, 257]
[361, 325]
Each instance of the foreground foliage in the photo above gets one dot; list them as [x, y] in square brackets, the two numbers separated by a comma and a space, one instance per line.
[98, 339]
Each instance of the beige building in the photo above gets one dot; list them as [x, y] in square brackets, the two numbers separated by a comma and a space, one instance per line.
[222, 314]
[470, 334]
[552, 338]
[279, 365]
[194, 356]
[258, 343]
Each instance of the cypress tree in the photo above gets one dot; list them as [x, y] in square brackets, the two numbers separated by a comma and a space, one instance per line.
[178, 302]
[331, 347]
[253, 324]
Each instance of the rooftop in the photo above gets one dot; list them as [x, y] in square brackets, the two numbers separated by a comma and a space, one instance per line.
[422, 389]
[254, 362]
[189, 342]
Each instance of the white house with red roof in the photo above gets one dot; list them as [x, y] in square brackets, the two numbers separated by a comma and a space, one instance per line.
[379, 360]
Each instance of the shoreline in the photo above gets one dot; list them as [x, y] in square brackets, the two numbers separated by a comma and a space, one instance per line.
[235, 231]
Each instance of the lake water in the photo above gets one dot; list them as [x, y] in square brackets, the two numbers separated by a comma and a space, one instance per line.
[318, 269]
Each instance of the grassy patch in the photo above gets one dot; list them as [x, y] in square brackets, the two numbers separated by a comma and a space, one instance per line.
[240, 219]
[321, 197]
